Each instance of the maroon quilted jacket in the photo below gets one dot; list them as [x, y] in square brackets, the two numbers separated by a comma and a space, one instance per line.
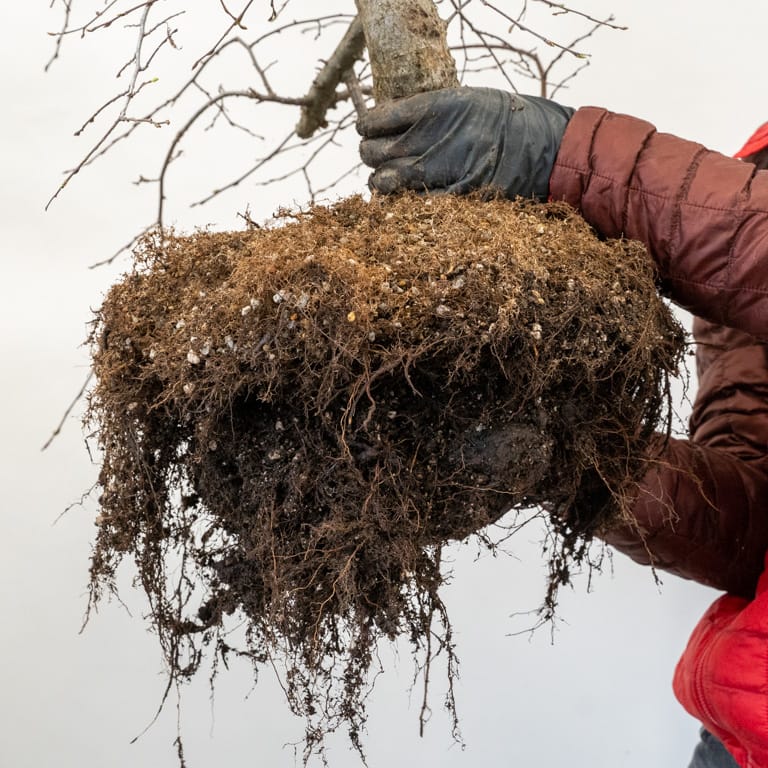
[703, 512]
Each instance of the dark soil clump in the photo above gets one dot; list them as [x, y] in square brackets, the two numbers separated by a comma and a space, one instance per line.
[294, 421]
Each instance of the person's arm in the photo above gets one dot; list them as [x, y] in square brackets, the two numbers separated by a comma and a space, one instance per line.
[701, 512]
[703, 216]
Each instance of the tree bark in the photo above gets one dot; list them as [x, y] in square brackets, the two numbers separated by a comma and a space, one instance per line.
[322, 94]
[407, 47]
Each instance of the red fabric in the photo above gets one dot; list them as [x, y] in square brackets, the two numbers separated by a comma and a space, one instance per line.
[757, 141]
[722, 677]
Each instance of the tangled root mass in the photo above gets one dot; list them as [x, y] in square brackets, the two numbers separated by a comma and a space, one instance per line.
[294, 421]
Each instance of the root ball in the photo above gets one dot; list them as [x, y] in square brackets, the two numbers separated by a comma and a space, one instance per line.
[296, 420]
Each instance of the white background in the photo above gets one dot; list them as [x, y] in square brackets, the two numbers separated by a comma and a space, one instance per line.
[595, 693]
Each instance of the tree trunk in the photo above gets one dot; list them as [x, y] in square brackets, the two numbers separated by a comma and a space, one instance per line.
[407, 47]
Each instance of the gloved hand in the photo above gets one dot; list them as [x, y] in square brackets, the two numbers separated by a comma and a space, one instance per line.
[461, 139]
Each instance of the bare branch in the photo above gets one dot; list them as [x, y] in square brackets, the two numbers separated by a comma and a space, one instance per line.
[223, 113]
[479, 47]
[95, 23]
[111, 136]
[195, 117]
[322, 95]
[356, 92]
[60, 36]
[515, 22]
[281, 146]
[68, 411]
[127, 95]
[481, 35]
[237, 22]
[138, 68]
[125, 248]
[562, 8]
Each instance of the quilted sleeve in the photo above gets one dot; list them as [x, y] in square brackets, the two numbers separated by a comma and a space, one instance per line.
[702, 510]
[703, 216]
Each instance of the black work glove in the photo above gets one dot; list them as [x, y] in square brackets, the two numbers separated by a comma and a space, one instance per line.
[460, 139]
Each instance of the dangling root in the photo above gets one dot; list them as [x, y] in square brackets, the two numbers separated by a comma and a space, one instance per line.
[295, 421]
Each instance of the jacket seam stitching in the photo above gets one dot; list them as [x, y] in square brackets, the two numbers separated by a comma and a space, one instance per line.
[628, 186]
[687, 203]
[740, 216]
[589, 171]
[719, 285]
[679, 200]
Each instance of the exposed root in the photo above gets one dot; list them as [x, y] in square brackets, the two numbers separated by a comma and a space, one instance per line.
[294, 421]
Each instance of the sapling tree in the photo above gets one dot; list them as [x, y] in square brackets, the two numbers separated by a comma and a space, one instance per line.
[294, 421]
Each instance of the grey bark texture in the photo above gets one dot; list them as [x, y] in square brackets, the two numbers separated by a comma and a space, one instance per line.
[407, 47]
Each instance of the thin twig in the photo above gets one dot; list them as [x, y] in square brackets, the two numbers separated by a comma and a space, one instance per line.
[480, 49]
[70, 408]
[59, 37]
[237, 22]
[562, 8]
[171, 153]
[355, 92]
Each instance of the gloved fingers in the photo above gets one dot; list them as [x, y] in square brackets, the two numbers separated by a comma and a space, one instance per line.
[375, 152]
[399, 174]
[395, 117]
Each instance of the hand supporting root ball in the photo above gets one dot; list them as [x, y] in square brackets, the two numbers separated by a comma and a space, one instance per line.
[457, 140]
